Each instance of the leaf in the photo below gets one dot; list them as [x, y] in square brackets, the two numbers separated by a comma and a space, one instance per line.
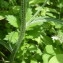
[23, 61]
[60, 36]
[47, 40]
[33, 61]
[57, 59]
[53, 60]
[44, 11]
[57, 26]
[12, 20]
[36, 1]
[34, 33]
[36, 27]
[12, 37]
[32, 48]
[1, 17]
[36, 22]
[40, 21]
[45, 58]
[49, 49]
[28, 14]
[38, 40]
[39, 51]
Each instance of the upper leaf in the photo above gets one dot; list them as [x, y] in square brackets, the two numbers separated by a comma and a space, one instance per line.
[12, 20]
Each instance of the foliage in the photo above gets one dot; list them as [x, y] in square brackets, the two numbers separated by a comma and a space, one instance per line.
[43, 42]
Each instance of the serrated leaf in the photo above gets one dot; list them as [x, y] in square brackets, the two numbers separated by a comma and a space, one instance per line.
[12, 20]
[12, 37]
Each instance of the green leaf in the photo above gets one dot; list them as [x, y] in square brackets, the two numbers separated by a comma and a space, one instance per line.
[32, 48]
[1, 17]
[49, 49]
[60, 36]
[12, 20]
[39, 51]
[53, 60]
[28, 14]
[12, 37]
[57, 59]
[33, 61]
[57, 26]
[34, 33]
[36, 27]
[36, 1]
[47, 40]
[45, 58]
[23, 61]
[36, 22]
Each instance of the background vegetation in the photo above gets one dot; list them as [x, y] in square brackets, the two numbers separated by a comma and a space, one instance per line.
[43, 41]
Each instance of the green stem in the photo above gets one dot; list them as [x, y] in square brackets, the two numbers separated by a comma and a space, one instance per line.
[22, 30]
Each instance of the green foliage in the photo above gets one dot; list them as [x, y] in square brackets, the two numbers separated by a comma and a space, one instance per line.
[12, 20]
[12, 37]
[43, 41]
[57, 59]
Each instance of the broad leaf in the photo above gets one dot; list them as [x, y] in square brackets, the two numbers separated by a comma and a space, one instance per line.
[57, 59]
[49, 49]
[45, 58]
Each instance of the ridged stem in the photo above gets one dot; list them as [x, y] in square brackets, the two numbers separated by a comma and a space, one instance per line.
[22, 30]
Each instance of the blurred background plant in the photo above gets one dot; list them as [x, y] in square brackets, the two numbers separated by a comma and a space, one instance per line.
[43, 41]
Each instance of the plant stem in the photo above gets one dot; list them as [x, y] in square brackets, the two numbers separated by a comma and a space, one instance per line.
[22, 30]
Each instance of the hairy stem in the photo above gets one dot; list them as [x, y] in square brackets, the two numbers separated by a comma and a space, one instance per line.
[22, 29]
